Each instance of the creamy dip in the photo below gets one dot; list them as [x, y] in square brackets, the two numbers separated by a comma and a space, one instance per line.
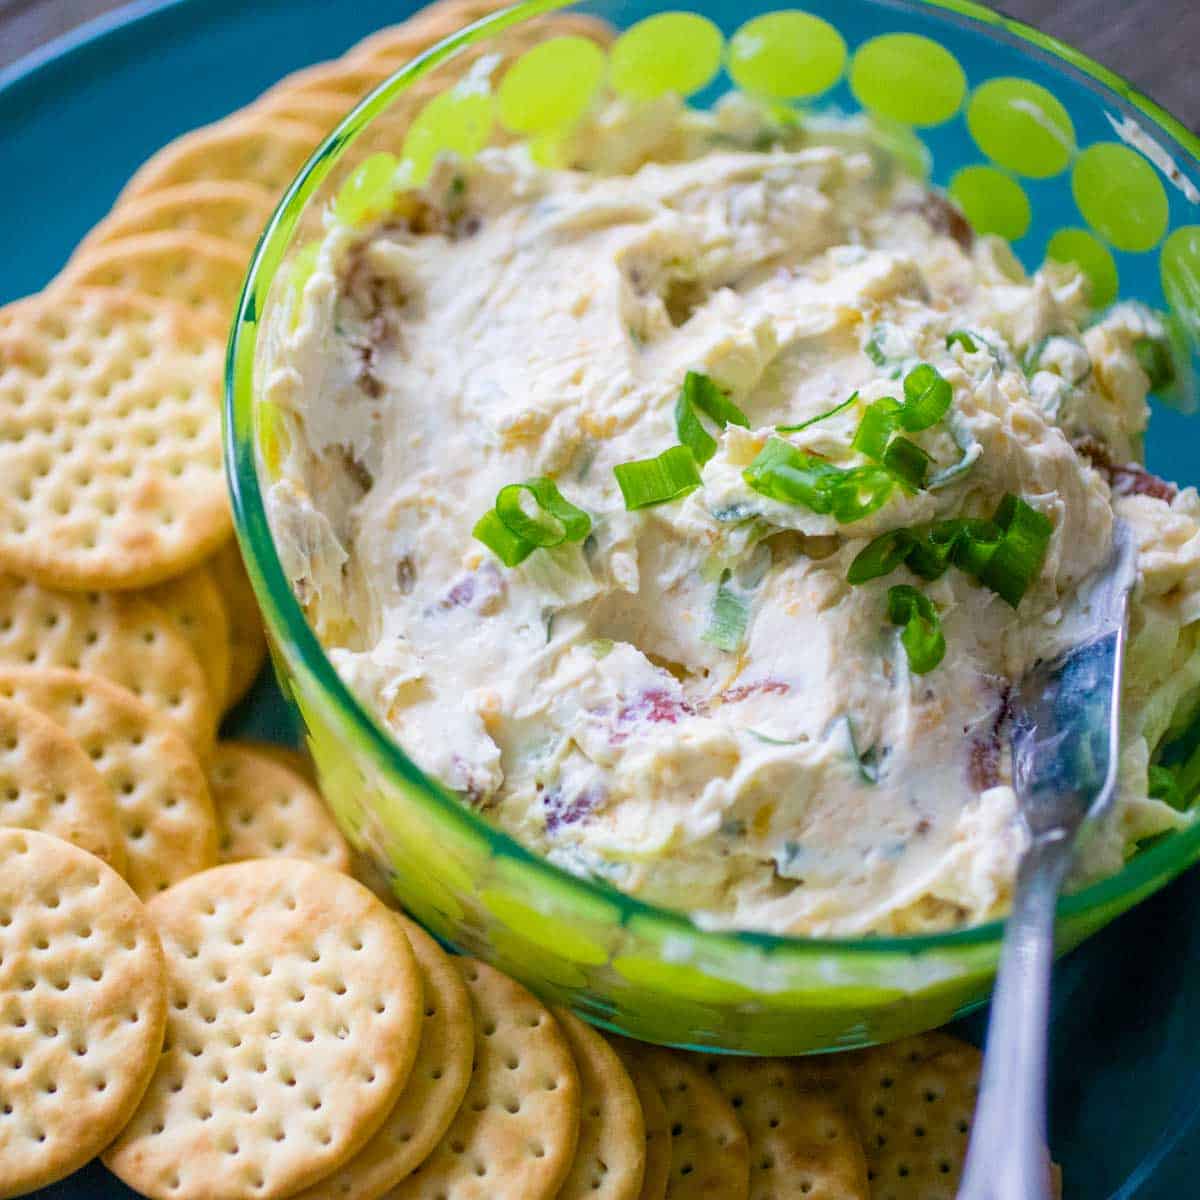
[790, 772]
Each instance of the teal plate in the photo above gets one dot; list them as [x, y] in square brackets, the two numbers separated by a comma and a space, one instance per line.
[76, 120]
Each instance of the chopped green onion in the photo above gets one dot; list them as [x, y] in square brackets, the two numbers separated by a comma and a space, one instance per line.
[783, 472]
[907, 461]
[876, 428]
[927, 398]
[966, 441]
[922, 637]
[974, 548]
[867, 760]
[556, 520]
[860, 492]
[934, 547]
[873, 351]
[962, 338]
[699, 392]
[730, 613]
[500, 540]
[1017, 558]
[649, 481]
[881, 556]
[1154, 357]
[832, 412]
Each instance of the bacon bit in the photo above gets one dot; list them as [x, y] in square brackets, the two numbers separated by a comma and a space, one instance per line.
[983, 762]
[735, 695]
[481, 591]
[560, 812]
[1125, 479]
[355, 469]
[657, 706]
[944, 216]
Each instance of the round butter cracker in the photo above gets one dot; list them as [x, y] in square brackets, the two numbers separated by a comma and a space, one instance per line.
[294, 1014]
[247, 640]
[709, 1152]
[202, 273]
[802, 1143]
[110, 439]
[118, 635]
[163, 809]
[434, 1091]
[232, 211]
[267, 810]
[514, 1136]
[248, 147]
[82, 1008]
[194, 605]
[658, 1129]
[49, 784]
[610, 1159]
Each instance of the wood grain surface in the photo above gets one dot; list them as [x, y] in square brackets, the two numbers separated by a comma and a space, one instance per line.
[1154, 43]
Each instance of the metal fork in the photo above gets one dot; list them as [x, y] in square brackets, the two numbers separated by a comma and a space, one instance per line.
[1064, 747]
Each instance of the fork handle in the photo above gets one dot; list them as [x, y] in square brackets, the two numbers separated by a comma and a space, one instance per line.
[1006, 1159]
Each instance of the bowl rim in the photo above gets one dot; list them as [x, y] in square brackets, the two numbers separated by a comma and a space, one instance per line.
[1145, 872]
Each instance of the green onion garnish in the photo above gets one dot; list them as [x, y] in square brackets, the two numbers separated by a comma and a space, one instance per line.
[876, 428]
[1017, 558]
[873, 350]
[1164, 785]
[555, 519]
[700, 393]
[783, 472]
[881, 556]
[867, 760]
[907, 461]
[832, 412]
[649, 481]
[730, 613]
[927, 398]
[922, 634]
[512, 533]
[1154, 357]
[962, 338]
[500, 540]
[860, 492]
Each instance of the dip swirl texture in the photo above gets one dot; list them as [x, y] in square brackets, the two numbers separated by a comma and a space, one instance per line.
[511, 321]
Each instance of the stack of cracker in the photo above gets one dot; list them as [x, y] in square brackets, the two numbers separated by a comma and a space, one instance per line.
[192, 985]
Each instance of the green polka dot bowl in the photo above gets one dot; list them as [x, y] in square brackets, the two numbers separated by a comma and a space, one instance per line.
[1036, 144]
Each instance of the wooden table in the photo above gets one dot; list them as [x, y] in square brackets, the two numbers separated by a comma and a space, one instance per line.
[1155, 43]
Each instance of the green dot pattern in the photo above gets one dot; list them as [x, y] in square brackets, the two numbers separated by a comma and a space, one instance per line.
[992, 201]
[904, 144]
[1021, 126]
[1120, 196]
[551, 86]
[909, 78]
[786, 55]
[672, 52]
[369, 192]
[1179, 265]
[1093, 257]
[458, 121]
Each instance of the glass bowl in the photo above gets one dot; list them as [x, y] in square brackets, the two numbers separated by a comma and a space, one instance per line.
[1064, 159]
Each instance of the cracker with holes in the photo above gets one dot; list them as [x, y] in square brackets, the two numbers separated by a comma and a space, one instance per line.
[913, 1102]
[247, 147]
[82, 1007]
[658, 1129]
[202, 273]
[323, 109]
[802, 1143]
[163, 810]
[120, 636]
[195, 607]
[48, 783]
[266, 810]
[294, 1014]
[709, 1153]
[110, 439]
[514, 1137]
[347, 77]
[434, 1091]
[247, 641]
[610, 1159]
[294, 758]
[234, 212]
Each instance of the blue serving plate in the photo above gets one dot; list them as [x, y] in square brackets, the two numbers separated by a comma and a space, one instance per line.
[78, 117]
